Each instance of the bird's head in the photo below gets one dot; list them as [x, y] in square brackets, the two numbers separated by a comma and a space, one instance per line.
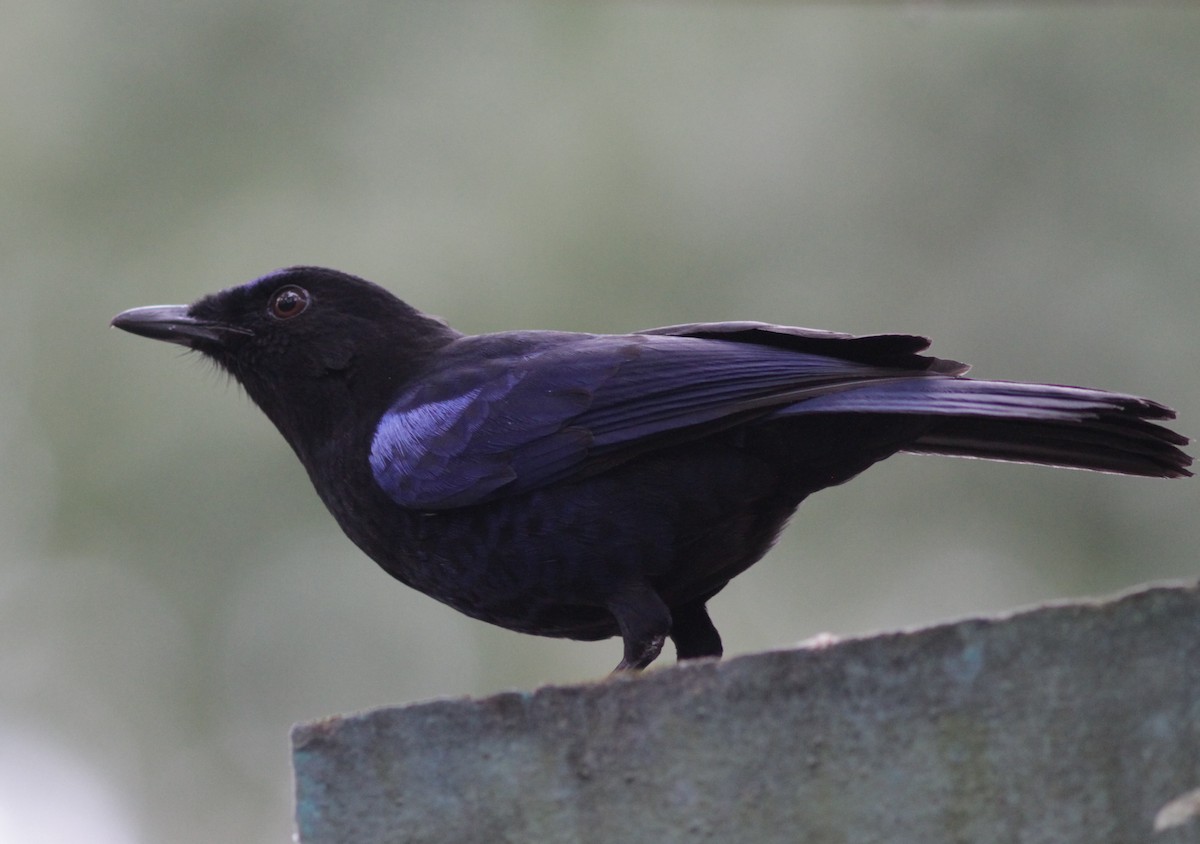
[300, 338]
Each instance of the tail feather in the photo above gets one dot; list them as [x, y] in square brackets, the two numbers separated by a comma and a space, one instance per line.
[1145, 449]
[1048, 424]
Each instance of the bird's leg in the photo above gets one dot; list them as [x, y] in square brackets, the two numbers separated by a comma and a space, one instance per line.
[693, 632]
[644, 621]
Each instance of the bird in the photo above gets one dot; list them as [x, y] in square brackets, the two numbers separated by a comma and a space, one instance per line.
[586, 486]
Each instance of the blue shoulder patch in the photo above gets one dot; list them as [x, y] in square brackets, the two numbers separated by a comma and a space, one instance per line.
[411, 446]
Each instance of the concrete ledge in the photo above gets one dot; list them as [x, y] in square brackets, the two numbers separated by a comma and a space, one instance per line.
[1069, 723]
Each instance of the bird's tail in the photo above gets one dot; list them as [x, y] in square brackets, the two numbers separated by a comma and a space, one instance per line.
[1049, 424]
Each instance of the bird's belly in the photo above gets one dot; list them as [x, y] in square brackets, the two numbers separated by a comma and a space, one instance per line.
[548, 562]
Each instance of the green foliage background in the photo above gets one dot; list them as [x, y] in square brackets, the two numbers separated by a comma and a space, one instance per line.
[1023, 184]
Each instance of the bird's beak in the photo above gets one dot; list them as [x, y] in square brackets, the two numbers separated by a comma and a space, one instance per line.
[172, 323]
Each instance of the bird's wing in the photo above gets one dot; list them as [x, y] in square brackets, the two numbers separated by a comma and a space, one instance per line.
[892, 350]
[505, 416]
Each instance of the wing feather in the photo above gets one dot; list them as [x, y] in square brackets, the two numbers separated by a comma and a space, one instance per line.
[542, 408]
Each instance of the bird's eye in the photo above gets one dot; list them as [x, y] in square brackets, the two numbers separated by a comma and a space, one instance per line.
[290, 301]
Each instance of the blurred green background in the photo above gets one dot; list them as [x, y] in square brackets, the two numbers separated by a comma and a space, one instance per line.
[1022, 184]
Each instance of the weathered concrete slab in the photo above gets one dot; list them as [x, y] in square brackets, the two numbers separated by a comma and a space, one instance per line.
[1071, 723]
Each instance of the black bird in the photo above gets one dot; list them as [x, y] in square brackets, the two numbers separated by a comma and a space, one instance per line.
[592, 485]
